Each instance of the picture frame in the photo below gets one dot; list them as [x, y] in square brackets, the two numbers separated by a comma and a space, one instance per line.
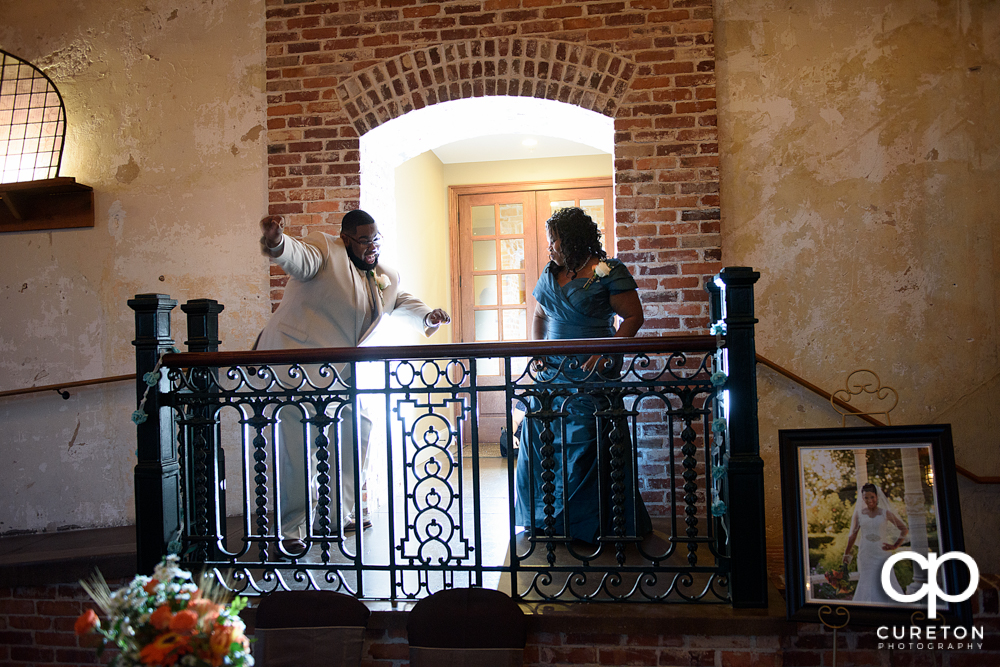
[823, 472]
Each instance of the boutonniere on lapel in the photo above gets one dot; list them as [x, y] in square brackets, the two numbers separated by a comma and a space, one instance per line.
[600, 271]
[382, 282]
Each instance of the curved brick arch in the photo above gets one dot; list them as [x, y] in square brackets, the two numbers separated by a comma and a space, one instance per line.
[572, 73]
[656, 63]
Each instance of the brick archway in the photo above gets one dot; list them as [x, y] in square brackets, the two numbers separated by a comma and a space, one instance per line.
[572, 73]
[335, 70]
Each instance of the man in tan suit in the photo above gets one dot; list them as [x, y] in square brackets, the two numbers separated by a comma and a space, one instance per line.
[337, 294]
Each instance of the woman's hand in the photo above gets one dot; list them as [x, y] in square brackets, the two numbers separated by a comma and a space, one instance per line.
[847, 559]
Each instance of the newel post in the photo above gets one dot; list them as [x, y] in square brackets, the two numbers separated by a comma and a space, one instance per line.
[202, 324]
[157, 475]
[748, 579]
[206, 458]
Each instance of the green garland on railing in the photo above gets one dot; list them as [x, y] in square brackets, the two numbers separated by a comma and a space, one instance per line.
[151, 379]
[719, 426]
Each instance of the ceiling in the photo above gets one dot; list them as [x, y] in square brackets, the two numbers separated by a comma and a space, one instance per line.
[496, 147]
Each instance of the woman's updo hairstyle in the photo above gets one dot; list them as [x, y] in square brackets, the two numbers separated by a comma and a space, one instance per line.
[579, 235]
[869, 488]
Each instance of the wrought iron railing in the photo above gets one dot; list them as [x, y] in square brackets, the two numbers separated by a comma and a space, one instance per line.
[673, 417]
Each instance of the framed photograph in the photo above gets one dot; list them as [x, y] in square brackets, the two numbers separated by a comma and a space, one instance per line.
[853, 497]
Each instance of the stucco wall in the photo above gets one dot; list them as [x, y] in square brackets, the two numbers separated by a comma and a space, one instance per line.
[165, 110]
[421, 245]
[861, 177]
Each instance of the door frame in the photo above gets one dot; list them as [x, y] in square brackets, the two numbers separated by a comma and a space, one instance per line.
[456, 191]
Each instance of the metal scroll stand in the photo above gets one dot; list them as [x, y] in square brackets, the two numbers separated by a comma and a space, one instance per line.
[860, 385]
[838, 611]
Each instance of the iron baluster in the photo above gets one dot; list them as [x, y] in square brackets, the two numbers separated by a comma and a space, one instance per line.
[618, 444]
[258, 422]
[322, 423]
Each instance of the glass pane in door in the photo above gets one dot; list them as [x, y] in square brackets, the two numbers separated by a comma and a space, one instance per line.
[483, 222]
[484, 255]
[511, 219]
[595, 209]
[511, 254]
[512, 289]
[485, 290]
[556, 205]
[487, 325]
[515, 324]
[488, 367]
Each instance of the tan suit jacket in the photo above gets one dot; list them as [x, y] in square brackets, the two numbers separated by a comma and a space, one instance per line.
[327, 303]
[326, 299]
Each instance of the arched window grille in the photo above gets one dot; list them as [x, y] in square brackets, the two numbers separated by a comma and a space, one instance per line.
[32, 122]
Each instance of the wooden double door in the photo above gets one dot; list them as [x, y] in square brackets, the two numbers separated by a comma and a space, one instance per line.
[500, 248]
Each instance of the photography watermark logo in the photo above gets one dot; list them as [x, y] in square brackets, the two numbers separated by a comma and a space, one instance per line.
[930, 637]
[930, 589]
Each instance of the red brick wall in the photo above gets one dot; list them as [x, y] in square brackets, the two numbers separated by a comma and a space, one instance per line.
[36, 626]
[337, 69]
[36, 629]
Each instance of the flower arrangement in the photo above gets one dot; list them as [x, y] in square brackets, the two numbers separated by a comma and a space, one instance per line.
[166, 620]
[602, 270]
[839, 582]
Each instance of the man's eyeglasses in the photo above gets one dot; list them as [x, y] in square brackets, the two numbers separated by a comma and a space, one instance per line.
[373, 242]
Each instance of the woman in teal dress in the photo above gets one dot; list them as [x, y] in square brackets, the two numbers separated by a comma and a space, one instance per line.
[578, 295]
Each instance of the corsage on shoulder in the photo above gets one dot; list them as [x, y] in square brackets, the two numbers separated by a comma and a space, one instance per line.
[602, 270]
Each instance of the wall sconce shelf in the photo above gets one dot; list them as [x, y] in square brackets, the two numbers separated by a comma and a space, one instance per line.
[51, 203]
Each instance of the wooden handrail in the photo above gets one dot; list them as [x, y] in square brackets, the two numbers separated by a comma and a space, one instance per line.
[978, 479]
[680, 343]
[658, 344]
[62, 386]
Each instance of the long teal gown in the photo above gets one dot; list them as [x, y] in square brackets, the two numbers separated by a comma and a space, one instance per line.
[576, 310]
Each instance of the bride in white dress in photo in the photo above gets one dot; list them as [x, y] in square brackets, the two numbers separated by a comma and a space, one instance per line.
[872, 517]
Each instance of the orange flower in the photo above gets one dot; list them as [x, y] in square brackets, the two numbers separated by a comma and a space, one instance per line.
[208, 612]
[160, 619]
[184, 622]
[151, 586]
[223, 637]
[86, 623]
[208, 620]
[201, 606]
[167, 648]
